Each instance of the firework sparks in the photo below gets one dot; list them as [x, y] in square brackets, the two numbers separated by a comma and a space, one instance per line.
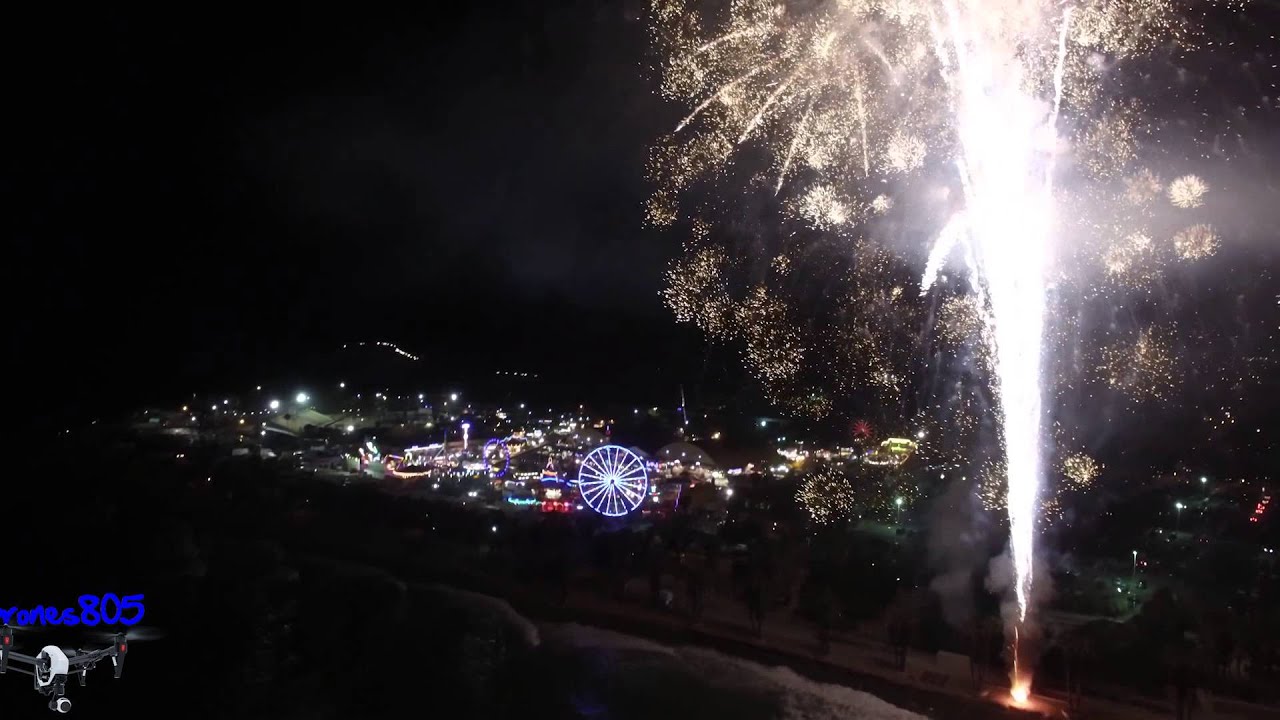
[852, 100]
[1143, 188]
[904, 153]
[823, 208]
[959, 319]
[773, 349]
[1187, 192]
[697, 292]
[1133, 261]
[1081, 470]
[827, 496]
[1007, 144]
[1196, 242]
[1143, 368]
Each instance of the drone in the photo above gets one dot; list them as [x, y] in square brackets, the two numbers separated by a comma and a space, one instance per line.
[50, 667]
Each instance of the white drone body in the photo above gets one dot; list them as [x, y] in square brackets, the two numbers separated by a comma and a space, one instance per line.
[50, 667]
[54, 665]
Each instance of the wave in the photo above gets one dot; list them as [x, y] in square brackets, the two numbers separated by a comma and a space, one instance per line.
[585, 636]
[773, 692]
[500, 608]
[802, 698]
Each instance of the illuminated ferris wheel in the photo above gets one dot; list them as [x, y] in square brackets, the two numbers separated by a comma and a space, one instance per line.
[497, 456]
[612, 480]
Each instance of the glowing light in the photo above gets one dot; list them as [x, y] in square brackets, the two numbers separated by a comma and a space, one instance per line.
[827, 496]
[895, 93]
[1196, 242]
[498, 457]
[612, 480]
[1187, 192]
[1020, 693]
[301, 398]
[1081, 470]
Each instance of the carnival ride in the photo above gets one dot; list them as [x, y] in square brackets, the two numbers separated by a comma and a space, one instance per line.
[893, 451]
[497, 456]
[612, 480]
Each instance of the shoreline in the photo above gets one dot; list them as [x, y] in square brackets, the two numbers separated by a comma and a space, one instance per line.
[677, 631]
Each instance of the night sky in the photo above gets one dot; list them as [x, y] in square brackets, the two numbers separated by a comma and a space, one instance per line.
[204, 202]
[204, 199]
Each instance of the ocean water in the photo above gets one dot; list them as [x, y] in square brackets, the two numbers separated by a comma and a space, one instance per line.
[568, 670]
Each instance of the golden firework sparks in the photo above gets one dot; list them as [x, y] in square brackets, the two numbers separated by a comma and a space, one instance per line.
[1187, 192]
[1196, 242]
[1142, 188]
[959, 319]
[827, 496]
[823, 208]
[1133, 261]
[1081, 470]
[1143, 368]
[697, 292]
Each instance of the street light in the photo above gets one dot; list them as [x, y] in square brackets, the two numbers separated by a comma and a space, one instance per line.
[453, 397]
[1178, 523]
[898, 501]
[301, 398]
[275, 404]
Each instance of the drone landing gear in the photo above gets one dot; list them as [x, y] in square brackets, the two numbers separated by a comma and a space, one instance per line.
[61, 705]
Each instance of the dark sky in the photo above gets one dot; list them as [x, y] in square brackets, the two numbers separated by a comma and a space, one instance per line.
[202, 196]
[201, 201]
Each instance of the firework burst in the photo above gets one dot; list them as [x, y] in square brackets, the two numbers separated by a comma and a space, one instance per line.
[963, 110]
[1196, 242]
[1142, 368]
[1080, 470]
[827, 496]
[1187, 192]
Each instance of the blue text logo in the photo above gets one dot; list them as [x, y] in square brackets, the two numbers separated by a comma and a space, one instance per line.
[109, 609]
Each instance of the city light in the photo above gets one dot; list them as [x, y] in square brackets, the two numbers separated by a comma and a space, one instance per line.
[342, 385]
[301, 398]
[275, 404]
[453, 397]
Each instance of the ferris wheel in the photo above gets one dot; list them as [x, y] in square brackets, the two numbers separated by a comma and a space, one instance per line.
[612, 480]
[497, 456]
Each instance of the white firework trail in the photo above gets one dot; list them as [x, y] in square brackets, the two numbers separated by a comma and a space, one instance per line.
[1007, 139]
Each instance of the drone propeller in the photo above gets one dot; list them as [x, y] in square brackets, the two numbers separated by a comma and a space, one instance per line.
[32, 628]
[131, 634]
